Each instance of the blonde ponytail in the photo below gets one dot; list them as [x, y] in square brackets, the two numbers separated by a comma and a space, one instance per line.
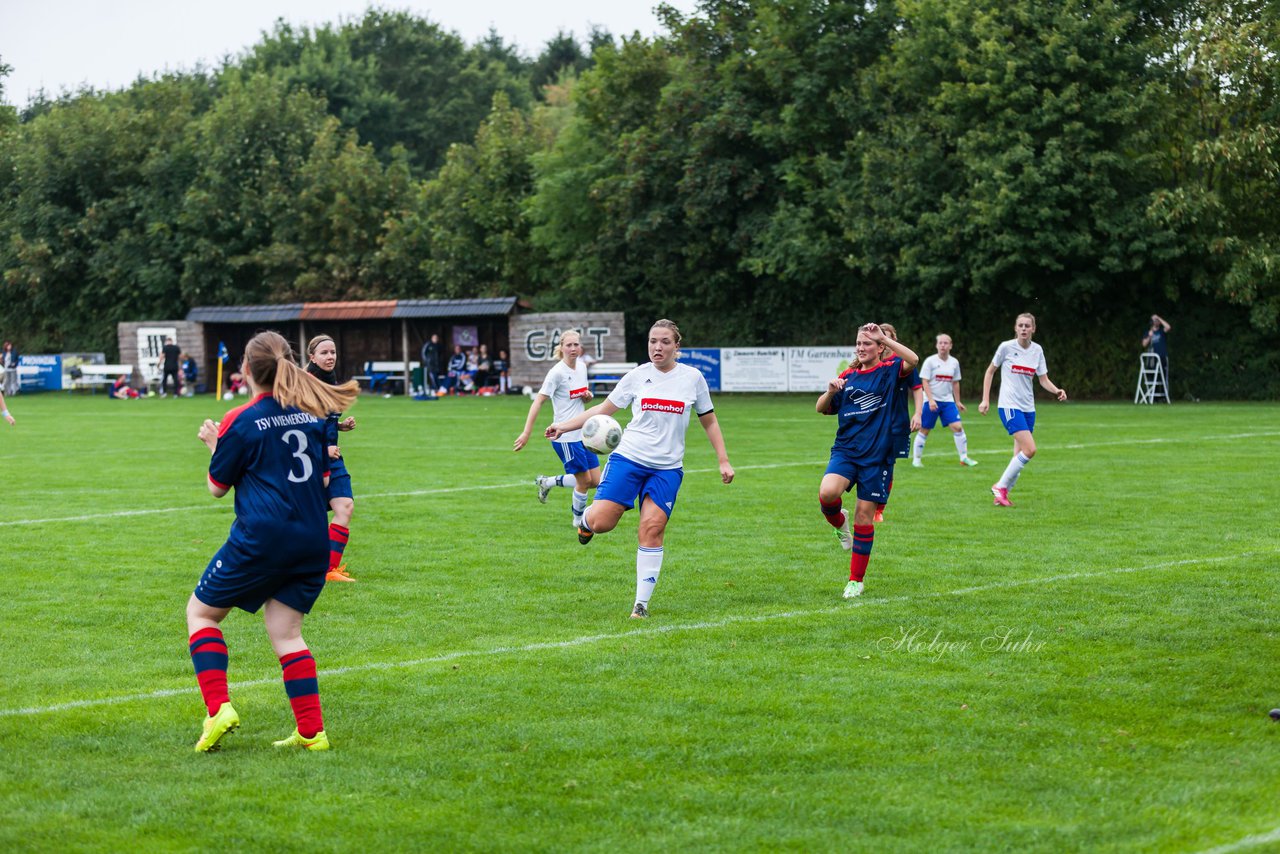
[269, 360]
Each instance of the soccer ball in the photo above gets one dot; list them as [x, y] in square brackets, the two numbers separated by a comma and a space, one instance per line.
[229, 396]
[601, 434]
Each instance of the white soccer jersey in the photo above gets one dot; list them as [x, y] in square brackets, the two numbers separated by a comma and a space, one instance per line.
[567, 388]
[940, 375]
[1018, 366]
[660, 407]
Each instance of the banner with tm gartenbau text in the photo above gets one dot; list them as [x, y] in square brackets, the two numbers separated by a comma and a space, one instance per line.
[801, 369]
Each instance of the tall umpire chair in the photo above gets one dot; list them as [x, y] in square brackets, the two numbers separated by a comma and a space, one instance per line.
[1152, 382]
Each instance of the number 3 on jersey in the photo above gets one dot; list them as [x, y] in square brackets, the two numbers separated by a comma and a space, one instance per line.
[301, 454]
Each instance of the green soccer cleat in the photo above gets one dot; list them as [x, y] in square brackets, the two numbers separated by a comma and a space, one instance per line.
[966, 461]
[844, 535]
[319, 741]
[215, 727]
[853, 590]
[917, 462]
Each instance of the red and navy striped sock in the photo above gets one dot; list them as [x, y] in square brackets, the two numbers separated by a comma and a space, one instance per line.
[338, 537]
[832, 513]
[863, 539]
[303, 688]
[209, 655]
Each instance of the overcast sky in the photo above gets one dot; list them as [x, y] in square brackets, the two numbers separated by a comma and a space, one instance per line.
[62, 44]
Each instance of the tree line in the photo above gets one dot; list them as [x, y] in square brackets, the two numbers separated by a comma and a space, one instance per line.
[765, 173]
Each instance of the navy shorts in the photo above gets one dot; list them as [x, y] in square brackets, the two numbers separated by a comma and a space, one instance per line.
[576, 457]
[226, 584]
[872, 481]
[625, 482]
[339, 486]
[947, 413]
[1017, 420]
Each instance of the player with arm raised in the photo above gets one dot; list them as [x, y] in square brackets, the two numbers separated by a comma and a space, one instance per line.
[648, 465]
[272, 452]
[906, 419]
[941, 375]
[863, 399]
[566, 387]
[1018, 360]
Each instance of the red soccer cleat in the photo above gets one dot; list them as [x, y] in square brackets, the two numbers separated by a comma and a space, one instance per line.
[1001, 496]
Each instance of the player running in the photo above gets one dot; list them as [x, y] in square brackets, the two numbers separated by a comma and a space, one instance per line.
[1018, 360]
[649, 462]
[322, 359]
[272, 452]
[941, 374]
[864, 399]
[566, 386]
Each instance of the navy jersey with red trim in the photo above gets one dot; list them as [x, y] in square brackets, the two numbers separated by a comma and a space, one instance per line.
[864, 408]
[901, 413]
[275, 458]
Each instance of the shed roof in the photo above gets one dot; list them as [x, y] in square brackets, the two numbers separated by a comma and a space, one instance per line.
[354, 310]
[245, 313]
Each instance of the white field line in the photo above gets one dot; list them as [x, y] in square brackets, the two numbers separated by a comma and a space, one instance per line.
[651, 630]
[364, 496]
[527, 483]
[1247, 842]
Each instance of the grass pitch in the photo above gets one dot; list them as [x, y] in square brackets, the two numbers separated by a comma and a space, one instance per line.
[1090, 670]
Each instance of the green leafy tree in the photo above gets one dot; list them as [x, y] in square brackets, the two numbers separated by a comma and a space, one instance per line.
[87, 216]
[477, 232]
[1222, 159]
[251, 147]
[399, 80]
[1012, 155]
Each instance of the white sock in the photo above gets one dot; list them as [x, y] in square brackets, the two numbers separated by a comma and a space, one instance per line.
[579, 506]
[556, 480]
[648, 565]
[962, 444]
[917, 450]
[1010, 476]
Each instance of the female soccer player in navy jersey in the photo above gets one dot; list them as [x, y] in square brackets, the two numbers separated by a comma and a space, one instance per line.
[1018, 360]
[322, 358]
[864, 398]
[648, 464]
[566, 386]
[272, 451]
[904, 421]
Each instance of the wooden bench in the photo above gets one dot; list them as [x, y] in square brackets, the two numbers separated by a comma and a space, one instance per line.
[94, 376]
[377, 374]
[607, 374]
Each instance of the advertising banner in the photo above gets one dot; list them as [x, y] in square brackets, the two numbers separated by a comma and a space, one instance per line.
[706, 360]
[40, 373]
[811, 368]
[747, 369]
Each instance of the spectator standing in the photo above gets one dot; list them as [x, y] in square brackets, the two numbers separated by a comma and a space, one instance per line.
[171, 365]
[502, 372]
[431, 356]
[9, 360]
[1156, 341]
[484, 368]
